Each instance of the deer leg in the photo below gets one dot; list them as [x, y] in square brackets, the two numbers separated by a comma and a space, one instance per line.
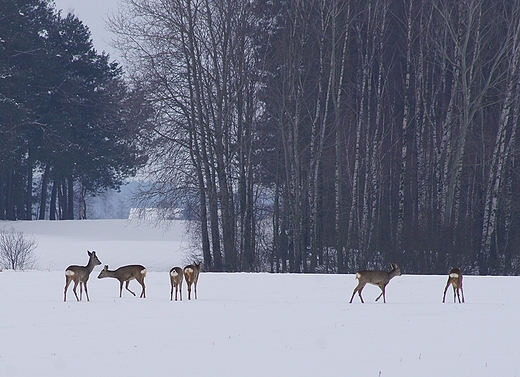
[359, 288]
[74, 289]
[458, 294]
[128, 289]
[171, 293]
[462, 291]
[359, 293]
[352, 297]
[382, 294]
[67, 282]
[189, 291]
[121, 288]
[176, 290]
[454, 295]
[445, 290]
[86, 292]
[143, 293]
[80, 291]
[195, 286]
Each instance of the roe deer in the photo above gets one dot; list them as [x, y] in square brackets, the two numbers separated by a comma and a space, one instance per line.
[176, 281]
[455, 280]
[375, 277]
[125, 274]
[191, 274]
[80, 274]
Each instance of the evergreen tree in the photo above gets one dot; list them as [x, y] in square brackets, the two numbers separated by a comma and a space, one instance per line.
[24, 27]
[62, 114]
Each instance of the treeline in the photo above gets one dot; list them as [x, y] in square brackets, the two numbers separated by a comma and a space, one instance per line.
[332, 135]
[69, 124]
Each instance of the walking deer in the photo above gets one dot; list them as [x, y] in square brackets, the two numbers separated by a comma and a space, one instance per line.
[124, 274]
[176, 281]
[375, 277]
[455, 280]
[80, 274]
[191, 274]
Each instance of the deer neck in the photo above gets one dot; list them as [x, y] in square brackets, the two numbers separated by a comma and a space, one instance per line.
[111, 274]
[392, 274]
[90, 266]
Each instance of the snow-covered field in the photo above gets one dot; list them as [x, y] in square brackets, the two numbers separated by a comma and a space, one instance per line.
[241, 324]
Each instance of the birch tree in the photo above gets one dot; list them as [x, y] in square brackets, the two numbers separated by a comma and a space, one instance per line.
[497, 193]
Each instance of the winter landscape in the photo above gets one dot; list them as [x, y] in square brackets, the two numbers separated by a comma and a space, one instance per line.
[242, 324]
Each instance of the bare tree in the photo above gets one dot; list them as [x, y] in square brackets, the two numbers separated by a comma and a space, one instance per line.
[196, 58]
[497, 198]
[16, 250]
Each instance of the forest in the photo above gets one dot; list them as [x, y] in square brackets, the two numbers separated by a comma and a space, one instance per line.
[303, 136]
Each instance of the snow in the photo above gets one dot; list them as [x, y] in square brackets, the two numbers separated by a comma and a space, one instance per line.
[242, 324]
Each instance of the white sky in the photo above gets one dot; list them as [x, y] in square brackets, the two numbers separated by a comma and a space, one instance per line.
[93, 13]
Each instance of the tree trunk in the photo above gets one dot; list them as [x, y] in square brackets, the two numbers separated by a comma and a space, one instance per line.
[52, 206]
[70, 197]
[43, 199]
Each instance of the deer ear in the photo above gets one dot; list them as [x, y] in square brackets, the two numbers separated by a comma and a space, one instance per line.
[89, 253]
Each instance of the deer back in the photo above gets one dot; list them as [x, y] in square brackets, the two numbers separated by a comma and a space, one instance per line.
[375, 277]
[455, 277]
[124, 273]
[82, 273]
[378, 277]
[191, 272]
[176, 275]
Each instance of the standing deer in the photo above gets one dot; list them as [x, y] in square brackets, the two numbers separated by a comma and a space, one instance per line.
[124, 274]
[191, 274]
[176, 281]
[455, 280]
[375, 277]
[80, 274]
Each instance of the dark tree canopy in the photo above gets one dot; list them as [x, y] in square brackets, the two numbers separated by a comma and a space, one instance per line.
[64, 115]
